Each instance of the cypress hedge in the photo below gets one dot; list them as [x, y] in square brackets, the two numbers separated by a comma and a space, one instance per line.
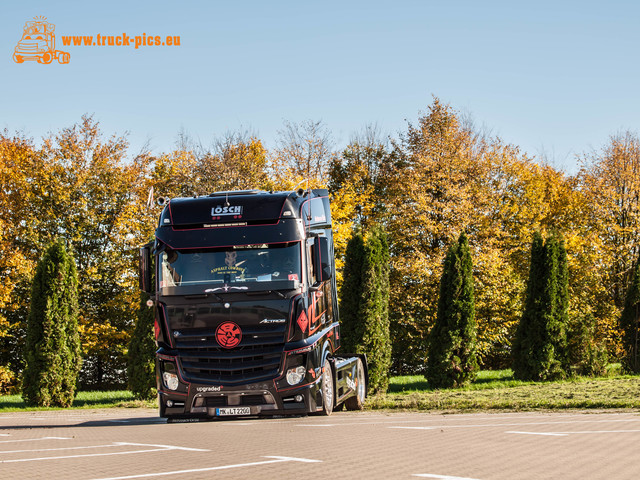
[540, 346]
[52, 348]
[452, 359]
[142, 354]
[630, 323]
[350, 297]
[364, 304]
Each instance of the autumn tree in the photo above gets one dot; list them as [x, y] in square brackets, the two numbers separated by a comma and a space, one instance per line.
[52, 349]
[81, 188]
[19, 160]
[236, 161]
[303, 152]
[433, 192]
[612, 179]
[356, 188]
[630, 323]
[452, 360]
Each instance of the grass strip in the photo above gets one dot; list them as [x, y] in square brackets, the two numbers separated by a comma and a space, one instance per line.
[93, 399]
[492, 390]
[499, 391]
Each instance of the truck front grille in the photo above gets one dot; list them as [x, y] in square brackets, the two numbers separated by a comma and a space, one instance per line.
[257, 358]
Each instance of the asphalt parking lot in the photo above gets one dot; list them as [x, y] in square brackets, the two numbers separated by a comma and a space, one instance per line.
[127, 444]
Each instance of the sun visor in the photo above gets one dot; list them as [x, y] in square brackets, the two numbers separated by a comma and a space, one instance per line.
[201, 211]
[223, 236]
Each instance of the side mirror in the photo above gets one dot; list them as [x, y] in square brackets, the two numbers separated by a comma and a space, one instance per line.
[145, 270]
[322, 260]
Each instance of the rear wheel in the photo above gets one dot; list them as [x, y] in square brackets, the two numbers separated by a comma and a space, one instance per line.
[357, 401]
[327, 389]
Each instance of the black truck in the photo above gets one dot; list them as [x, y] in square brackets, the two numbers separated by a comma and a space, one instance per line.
[243, 288]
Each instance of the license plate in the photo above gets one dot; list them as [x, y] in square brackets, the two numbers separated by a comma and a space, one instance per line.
[221, 412]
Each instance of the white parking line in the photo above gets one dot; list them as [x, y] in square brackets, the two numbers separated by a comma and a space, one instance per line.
[157, 448]
[35, 439]
[222, 467]
[20, 460]
[4, 452]
[318, 425]
[414, 428]
[444, 426]
[168, 447]
[566, 434]
[493, 425]
[443, 477]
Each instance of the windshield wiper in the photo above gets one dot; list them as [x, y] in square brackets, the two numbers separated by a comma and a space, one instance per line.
[203, 295]
[262, 292]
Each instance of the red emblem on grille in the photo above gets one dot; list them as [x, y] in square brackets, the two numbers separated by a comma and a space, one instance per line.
[228, 335]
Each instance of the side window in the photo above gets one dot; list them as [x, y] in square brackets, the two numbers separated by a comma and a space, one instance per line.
[311, 274]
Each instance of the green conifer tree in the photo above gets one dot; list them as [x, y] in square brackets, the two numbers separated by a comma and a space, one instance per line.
[630, 323]
[364, 304]
[452, 360]
[52, 348]
[540, 343]
[351, 326]
[142, 354]
[562, 304]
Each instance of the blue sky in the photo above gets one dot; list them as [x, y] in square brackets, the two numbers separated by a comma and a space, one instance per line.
[552, 77]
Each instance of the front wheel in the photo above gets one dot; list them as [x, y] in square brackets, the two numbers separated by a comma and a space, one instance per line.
[327, 389]
[46, 58]
[357, 401]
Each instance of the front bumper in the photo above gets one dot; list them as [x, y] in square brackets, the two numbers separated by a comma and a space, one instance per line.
[207, 402]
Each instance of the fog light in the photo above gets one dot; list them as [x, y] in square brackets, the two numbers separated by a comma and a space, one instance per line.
[169, 403]
[295, 375]
[298, 398]
[170, 380]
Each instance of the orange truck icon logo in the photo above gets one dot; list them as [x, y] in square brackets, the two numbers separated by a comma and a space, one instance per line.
[38, 43]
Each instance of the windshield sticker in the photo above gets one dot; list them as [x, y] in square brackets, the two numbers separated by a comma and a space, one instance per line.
[221, 270]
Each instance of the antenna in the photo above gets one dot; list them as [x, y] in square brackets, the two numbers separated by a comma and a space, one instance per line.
[300, 183]
[150, 198]
[310, 202]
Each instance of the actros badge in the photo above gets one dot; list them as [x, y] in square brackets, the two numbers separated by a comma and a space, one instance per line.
[228, 335]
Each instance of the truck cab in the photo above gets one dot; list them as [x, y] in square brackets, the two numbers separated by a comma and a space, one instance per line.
[245, 304]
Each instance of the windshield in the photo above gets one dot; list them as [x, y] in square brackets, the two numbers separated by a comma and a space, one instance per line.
[231, 265]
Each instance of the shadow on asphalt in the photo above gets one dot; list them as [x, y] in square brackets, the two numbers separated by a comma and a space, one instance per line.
[115, 422]
[123, 422]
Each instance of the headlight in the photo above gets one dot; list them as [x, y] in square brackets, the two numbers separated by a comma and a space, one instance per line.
[295, 375]
[170, 380]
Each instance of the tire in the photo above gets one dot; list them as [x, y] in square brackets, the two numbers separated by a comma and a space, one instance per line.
[63, 57]
[17, 58]
[327, 389]
[357, 401]
[47, 58]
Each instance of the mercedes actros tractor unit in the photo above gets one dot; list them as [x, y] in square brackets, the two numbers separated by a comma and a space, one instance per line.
[243, 288]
